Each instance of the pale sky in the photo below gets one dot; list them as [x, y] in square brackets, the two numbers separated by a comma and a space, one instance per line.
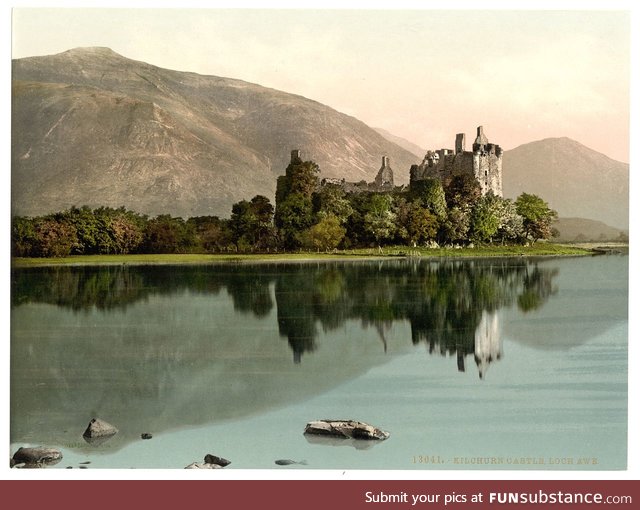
[424, 75]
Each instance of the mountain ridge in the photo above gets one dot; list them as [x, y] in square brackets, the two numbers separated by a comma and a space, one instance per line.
[92, 127]
[222, 139]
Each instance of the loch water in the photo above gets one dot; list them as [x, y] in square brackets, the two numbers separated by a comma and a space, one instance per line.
[505, 363]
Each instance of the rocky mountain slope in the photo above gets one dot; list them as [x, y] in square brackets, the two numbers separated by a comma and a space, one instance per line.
[91, 127]
[575, 180]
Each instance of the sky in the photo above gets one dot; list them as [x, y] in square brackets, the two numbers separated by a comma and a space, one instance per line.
[424, 75]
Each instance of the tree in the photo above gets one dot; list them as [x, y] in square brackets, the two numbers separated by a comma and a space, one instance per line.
[430, 193]
[166, 234]
[324, 235]
[23, 237]
[416, 223]
[212, 233]
[537, 217]
[251, 224]
[331, 200]
[511, 223]
[379, 219]
[293, 216]
[462, 191]
[294, 207]
[54, 238]
[455, 228]
[485, 219]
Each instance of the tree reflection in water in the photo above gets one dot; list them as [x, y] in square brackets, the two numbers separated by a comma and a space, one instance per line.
[451, 305]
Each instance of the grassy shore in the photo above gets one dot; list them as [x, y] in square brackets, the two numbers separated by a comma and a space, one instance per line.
[538, 249]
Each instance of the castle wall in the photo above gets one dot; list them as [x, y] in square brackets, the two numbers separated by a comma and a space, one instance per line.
[484, 164]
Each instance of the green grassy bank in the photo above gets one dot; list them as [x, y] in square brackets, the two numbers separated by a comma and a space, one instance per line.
[539, 249]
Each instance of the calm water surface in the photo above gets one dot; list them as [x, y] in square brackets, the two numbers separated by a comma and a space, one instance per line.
[483, 364]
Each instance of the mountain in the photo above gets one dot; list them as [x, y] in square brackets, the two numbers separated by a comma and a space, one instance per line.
[580, 229]
[91, 127]
[403, 142]
[576, 181]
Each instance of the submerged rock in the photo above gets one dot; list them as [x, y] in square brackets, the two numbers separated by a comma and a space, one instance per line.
[98, 431]
[350, 429]
[288, 462]
[38, 456]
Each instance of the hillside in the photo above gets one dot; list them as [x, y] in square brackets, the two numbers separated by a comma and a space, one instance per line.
[575, 180]
[418, 151]
[91, 127]
[580, 229]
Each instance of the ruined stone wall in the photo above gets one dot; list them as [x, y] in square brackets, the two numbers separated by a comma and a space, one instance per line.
[487, 169]
[484, 163]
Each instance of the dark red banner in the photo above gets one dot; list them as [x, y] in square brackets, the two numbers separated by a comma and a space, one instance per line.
[311, 495]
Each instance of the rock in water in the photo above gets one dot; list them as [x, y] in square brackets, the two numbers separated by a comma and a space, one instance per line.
[214, 459]
[201, 465]
[345, 428]
[288, 462]
[99, 431]
[37, 456]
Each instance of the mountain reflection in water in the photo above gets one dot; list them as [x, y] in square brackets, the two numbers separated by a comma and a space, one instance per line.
[154, 348]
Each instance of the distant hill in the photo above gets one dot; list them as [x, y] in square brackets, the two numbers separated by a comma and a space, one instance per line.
[404, 143]
[580, 229]
[575, 180]
[91, 127]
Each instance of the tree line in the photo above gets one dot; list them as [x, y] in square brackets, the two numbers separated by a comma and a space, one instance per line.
[305, 216]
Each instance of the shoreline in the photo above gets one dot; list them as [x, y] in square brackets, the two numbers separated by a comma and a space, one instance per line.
[539, 250]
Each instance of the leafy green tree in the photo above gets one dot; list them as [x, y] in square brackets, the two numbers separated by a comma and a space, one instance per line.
[416, 224]
[462, 191]
[294, 215]
[430, 193]
[537, 217]
[485, 220]
[251, 224]
[455, 228]
[23, 237]
[166, 234]
[511, 224]
[294, 206]
[331, 200]
[379, 220]
[213, 234]
[324, 235]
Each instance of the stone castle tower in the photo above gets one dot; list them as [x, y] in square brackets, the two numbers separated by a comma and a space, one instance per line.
[385, 174]
[483, 162]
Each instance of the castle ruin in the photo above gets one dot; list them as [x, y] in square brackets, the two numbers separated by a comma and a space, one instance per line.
[382, 183]
[483, 163]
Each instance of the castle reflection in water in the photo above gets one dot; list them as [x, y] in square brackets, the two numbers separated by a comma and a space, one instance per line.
[452, 306]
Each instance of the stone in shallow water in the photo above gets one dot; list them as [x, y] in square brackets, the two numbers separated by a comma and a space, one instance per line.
[345, 428]
[214, 459]
[38, 456]
[202, 465]
[99, 431]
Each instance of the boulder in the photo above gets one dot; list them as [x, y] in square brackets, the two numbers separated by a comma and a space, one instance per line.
[38, 456]
[213, 459]
[348, 429]
[202, 465]
[98, 431]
